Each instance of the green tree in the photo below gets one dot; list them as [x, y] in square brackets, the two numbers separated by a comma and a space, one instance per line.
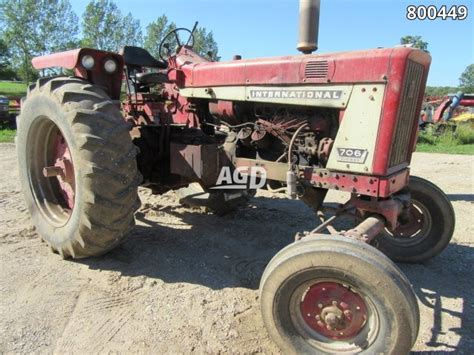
[5, 69]
[155, 32]
[416, 41]
[104, 27]
[4, 55]
[440, 90]
[132, 31]
[466, 80]
[59, 26]
[100, 23]
[36, 27]
[204, 42]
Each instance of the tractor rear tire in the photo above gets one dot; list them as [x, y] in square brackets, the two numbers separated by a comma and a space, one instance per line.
[85, 207]
[428, 230]
[218, 202]
[332, 294]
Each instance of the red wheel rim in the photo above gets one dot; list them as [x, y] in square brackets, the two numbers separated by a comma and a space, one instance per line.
[62, 169]
[334, 310]
[416, 221]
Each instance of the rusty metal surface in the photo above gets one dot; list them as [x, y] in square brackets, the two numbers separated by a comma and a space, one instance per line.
[414, 222]
[196, 162]
[275, 171]
[326, 179]
[373, 215]
[97, 75]
[389, 209]
[356, 183]
[224, 109]
[368, 229]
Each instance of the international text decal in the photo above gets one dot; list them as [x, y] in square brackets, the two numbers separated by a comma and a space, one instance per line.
[296, 94]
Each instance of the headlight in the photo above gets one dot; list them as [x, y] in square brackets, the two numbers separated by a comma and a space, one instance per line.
[88, 62]
[110, 66]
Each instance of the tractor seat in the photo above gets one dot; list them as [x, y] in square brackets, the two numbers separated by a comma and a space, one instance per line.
[151, 78]
[140, 57]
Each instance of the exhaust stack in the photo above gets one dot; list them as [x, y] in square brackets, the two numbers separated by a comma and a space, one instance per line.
[309, 26]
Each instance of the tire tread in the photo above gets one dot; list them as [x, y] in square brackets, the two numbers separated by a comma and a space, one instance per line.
[107, 163]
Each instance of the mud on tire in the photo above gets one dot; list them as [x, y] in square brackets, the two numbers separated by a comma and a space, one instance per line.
[97, 215]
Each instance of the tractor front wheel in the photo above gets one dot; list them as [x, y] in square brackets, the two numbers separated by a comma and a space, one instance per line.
[331, 294]
[428, 229]
[77, 167]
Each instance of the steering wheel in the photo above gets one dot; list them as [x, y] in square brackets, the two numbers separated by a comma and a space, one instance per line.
[166, 41]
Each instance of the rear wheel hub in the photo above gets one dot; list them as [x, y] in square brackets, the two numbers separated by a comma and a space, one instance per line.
[63, 169]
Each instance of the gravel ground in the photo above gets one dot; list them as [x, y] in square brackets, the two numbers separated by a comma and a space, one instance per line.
[188, 281]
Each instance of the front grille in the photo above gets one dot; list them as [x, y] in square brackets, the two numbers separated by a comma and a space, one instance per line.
[316, 69]
[407, 114]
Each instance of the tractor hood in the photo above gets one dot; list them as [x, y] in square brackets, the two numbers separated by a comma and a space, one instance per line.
[372, 66]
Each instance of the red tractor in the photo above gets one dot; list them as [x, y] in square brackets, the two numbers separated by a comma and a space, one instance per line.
[300, 124]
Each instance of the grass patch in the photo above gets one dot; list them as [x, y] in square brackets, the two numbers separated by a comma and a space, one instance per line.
[9, 88]
[446, 149]
[450, 140]
[7, 135]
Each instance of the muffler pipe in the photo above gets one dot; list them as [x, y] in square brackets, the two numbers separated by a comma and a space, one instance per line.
[309, 26]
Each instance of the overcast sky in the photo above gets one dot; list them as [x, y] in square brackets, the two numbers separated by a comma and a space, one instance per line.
[258, 28]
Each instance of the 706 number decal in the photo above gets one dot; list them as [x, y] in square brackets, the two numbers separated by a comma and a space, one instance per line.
[352, 155]
[432, 12]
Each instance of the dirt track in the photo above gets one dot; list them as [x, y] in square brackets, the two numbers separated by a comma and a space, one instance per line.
[187, 281]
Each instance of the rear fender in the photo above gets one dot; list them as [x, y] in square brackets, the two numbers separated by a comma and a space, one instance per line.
[71, 60]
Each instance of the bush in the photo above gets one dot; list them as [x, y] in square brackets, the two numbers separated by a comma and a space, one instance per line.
[465, 133]
[447, 134]
[425, 137]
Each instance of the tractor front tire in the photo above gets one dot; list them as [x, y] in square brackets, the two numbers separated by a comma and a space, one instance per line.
[331, 294]
[428, 230]
[77, 167]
